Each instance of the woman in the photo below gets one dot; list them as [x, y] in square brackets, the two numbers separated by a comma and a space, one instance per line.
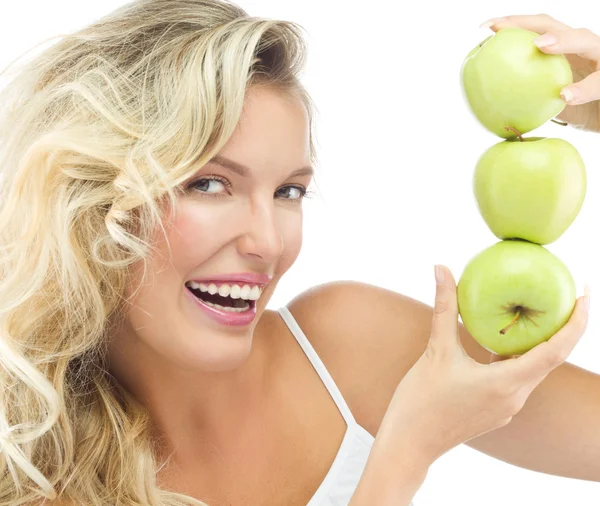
[153, 167]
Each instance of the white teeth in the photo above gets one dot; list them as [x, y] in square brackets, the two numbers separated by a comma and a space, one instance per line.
[224, 290]
[228, 309]
[245, 292]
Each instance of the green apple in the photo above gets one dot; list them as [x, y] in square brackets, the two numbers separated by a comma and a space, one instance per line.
[508, 81]
[530, 189]
[514, 295]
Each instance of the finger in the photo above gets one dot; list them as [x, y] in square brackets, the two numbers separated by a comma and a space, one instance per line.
[499, 358]
[543, 358]
[444, 327]
[539, 23]
[579, 41]
[586, 90]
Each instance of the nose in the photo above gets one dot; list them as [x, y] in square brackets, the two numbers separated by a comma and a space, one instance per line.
[262, 238]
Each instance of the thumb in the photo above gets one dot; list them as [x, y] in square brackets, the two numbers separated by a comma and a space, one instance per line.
[586, 90]
[444, 327]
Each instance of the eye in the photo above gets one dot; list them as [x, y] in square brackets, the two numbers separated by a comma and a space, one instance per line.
[211, 185]
[291, 192]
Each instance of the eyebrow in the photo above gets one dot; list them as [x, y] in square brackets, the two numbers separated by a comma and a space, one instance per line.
[244, 171]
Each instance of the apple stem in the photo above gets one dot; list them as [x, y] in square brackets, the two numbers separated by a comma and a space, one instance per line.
[513, 129]
[513, 321]
[562, 123]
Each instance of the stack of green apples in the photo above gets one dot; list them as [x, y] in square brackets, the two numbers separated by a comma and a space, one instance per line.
[516, 294]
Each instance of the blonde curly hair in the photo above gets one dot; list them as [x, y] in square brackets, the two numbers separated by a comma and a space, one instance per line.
[96, 133]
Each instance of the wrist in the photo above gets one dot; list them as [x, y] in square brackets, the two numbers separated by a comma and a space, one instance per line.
[406, 446]
[390, 477]
[403, 457]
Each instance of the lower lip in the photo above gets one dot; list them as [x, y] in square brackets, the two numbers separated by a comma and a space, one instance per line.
[225, 317]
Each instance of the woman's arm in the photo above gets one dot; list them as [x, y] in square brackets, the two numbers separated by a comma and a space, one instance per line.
[446, 398]
[370, 337]
[389, 478]
[557, 431]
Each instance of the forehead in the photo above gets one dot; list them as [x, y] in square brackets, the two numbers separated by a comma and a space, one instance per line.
[273, 129]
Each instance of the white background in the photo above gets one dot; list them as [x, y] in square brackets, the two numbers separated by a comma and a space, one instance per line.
[397, 147]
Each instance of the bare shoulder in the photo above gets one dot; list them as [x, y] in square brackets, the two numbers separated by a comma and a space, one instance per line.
[368, 337]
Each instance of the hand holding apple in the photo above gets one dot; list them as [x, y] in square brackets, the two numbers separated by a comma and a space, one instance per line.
[514, 295]
[509, 82]
[581, 47]
[446, 387]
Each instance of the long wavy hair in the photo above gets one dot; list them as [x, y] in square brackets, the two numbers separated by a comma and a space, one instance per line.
[96, 133]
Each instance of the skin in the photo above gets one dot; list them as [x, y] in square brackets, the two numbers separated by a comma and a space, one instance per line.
[203, 381]
[230, 405]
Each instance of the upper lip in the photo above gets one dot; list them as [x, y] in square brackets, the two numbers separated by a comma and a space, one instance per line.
[248, 278]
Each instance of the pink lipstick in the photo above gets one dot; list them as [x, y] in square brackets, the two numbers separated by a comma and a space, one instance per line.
[222, 316]
[238, 310]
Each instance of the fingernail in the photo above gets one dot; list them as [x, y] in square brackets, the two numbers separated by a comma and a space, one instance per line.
[439, 274]
[491, 22]
[586, 291]
[570, 95]
[545, 40]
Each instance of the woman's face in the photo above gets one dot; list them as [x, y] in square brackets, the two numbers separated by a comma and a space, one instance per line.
[237, 231]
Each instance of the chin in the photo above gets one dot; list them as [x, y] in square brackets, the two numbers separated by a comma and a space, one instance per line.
[212, 351]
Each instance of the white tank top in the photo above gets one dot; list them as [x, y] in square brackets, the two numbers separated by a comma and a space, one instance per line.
[347, 468]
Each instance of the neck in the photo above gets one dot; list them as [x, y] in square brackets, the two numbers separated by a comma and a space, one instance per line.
[192, 411]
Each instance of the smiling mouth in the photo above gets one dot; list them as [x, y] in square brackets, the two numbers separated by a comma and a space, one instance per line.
[230, 298]
[220, 302]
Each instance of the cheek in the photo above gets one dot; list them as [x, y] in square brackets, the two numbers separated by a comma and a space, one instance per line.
[290, 226]
[198, 232]
[196, 235]
[190, 238]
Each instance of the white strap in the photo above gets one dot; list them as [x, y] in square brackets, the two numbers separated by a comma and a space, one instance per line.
[317, 364]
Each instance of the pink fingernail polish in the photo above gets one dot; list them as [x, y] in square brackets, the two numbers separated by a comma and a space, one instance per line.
[570, 95]
[545, 40]
[439, 274]
[491, 22]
